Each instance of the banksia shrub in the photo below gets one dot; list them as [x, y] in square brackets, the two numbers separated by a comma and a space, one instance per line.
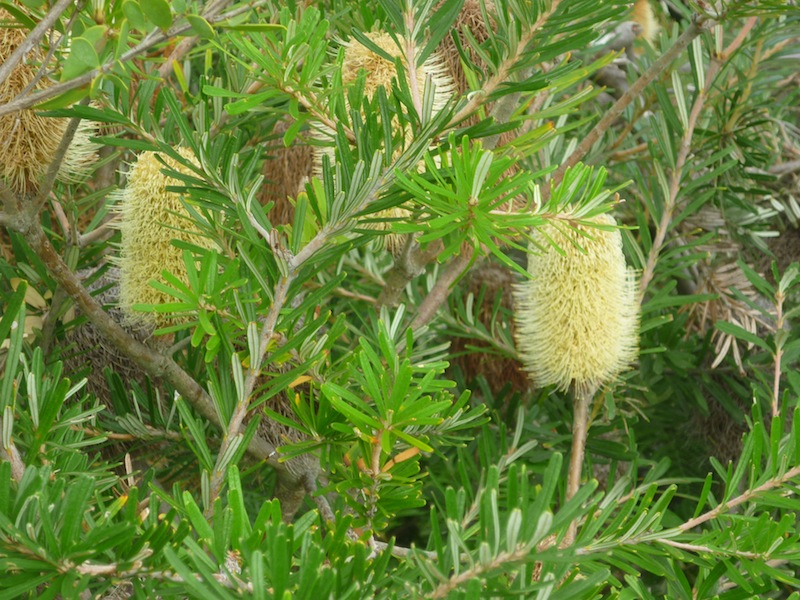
[151, 218]
[577, 317]
[29, 140]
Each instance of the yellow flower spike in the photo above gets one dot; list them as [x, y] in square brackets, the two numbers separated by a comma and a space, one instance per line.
[29, 141]
[577, 318]
[151, 218]
[577, 321]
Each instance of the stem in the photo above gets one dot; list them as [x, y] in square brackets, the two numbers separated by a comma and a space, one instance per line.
[157, 37]
[34, 38]
[580, 427]
[613, 113]
[153, 363]
[411, 58]
[776, 379]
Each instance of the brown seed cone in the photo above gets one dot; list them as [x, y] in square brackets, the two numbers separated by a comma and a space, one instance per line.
[302, 471]
[498, 371]
[285, 172]
[471, 18]
[92, 349]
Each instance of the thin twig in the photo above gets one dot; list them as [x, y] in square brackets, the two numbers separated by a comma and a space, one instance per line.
[153, 39]
[670, 203]
[55, 164]
[34, 38]
[613, 113]
[745, 497]
[186, 44]
[153, 363]
[504, 68]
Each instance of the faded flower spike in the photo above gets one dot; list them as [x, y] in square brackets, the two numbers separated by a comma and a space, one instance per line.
[577, 318]
[29, 141]
[151, 218]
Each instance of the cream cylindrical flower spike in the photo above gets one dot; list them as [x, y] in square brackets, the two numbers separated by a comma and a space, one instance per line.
[577, 318]
[380, 72]
[28, 141]
[151, 218]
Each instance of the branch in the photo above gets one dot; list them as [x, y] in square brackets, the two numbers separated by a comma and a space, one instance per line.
[153, 363]
[34, 39]
[408, 265]
[745, 497]
[153, 39]
[441, 289]
[613, 113]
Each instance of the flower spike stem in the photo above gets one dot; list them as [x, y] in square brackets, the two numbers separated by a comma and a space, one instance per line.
[580, 427]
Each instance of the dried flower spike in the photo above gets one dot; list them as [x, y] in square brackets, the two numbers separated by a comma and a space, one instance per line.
[577, 318]
[29, 141]
[151, 218]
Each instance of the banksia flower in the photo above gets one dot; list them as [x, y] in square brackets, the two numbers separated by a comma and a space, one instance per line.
[380, 72]
[644, 15]
[29, 141]
[151, 218]
[577, 318]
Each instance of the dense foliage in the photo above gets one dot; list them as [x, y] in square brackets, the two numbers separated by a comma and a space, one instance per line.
[257, 328]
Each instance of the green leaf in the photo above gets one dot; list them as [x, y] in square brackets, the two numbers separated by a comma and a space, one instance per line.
[201, 27]
[157, 12]
[134, 14]
[742, 334]
[201, 526]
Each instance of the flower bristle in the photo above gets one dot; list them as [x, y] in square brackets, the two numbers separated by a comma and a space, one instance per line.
[151, 217]
[577, 317]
